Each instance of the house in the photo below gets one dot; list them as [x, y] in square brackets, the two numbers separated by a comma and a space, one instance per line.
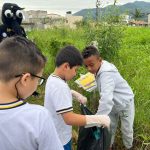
[138, 23]
[125, 18]
[34, 19]
[149, 19]
[71, 20]
[52, 15]
[35, 16]
[41, 19]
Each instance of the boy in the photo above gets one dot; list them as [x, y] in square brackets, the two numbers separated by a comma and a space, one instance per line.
[58, 97]
[23, 126]
[117, 98]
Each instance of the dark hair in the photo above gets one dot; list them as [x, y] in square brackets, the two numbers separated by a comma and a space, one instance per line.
[89, 51]
[19, 55]
[69, 54]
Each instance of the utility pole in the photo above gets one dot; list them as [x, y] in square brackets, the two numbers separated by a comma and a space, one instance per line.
[115, 1]
[97, 9]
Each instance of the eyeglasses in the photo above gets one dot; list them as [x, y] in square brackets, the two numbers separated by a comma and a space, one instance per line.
[41, 79]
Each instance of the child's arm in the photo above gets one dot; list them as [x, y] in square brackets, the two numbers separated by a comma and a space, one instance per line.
[106, 90]
[72, 118]
[79, 97]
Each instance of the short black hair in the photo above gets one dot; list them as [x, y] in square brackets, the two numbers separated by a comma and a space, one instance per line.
[89, 51]
[70, 55]
[19, 55]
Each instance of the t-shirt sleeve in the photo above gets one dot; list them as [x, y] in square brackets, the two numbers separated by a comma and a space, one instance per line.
[58, 96]
[63, 100]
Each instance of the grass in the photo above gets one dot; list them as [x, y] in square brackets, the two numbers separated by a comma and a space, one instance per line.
[133, 62]
[134, 65]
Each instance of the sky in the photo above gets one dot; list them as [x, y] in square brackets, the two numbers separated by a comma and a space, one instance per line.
[62, 6]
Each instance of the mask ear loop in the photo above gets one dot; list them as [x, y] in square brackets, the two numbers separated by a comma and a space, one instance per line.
[18, 97]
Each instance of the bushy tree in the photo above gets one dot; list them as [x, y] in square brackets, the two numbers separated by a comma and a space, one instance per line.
[137, 14]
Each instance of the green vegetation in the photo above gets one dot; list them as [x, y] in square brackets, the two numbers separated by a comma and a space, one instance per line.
[129, 51]
[134, 65]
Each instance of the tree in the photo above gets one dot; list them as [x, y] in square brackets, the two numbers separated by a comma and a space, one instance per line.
[97, 9]
[115, 1]
[137, 14]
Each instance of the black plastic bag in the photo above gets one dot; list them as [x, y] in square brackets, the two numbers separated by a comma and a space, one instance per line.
[93, 138]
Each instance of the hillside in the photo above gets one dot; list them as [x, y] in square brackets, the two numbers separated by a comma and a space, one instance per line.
[128, 8]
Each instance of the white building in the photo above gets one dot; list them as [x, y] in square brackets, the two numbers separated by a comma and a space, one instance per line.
[52, 15]
[40, 19]
[149, 19]
[33, 15]
[125, 18]
[71, 20]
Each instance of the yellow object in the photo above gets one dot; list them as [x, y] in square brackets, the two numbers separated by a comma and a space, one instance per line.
[87, 82]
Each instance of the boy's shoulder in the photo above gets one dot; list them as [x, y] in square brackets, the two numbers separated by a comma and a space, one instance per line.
[56, 81]
[26, 113]
[107, 67]
[33, 109]
[34, 106]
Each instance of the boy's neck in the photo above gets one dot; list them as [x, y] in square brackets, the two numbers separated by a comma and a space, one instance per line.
[58, 72]
[100, 64]
[6, 95]
[4, 100]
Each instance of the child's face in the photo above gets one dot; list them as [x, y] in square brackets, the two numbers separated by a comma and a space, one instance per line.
[92, 63]
[71, 72]
[28, 84]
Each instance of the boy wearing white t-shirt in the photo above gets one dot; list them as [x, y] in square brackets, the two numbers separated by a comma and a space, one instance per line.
[23, 126]
[58, 97]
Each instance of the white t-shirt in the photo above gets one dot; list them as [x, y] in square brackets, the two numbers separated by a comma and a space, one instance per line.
[58, 100]
[28, 127]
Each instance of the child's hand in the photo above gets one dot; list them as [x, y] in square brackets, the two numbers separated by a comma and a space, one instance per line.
[79, 97]
[97, 120]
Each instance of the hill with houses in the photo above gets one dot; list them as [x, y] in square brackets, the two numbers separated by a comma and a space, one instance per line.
[129, 9]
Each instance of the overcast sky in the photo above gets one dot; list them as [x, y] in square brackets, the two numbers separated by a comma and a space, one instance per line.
[61, 6]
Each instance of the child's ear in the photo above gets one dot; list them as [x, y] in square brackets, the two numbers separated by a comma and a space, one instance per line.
[100, 59]
[25, 78]
[66, 65]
